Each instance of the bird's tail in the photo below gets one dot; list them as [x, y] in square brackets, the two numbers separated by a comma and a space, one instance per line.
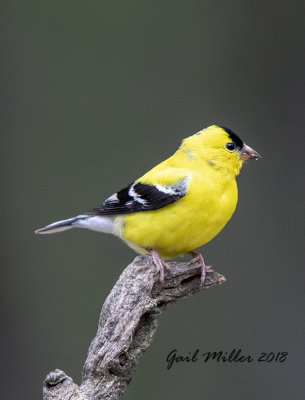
[63, 225]
[99, 223]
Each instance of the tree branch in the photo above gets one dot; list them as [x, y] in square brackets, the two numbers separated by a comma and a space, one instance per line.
[128, 321]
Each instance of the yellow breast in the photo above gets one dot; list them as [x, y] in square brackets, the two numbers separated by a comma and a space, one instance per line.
[186, 224]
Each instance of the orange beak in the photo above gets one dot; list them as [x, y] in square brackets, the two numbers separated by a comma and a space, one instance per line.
[247, 153]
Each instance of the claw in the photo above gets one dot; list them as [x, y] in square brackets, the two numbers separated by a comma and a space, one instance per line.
[159, 263]
[197, 258]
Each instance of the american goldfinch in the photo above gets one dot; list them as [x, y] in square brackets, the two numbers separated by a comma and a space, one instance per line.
[179, 205]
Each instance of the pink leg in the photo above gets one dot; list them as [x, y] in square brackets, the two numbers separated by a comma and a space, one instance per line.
[197, 258]
[159, 263]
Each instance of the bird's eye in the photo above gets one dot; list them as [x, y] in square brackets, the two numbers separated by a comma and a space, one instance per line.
[230, 146]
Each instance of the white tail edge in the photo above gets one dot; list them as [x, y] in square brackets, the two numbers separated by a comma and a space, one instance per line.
[60, 226]
[94, 223]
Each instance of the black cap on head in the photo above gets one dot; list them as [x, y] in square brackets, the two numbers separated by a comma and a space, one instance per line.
[235, 139]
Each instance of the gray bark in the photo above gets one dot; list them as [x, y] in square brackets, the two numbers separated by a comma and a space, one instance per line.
[128, 321]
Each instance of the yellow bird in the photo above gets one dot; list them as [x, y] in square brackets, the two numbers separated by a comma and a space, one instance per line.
[177, 206]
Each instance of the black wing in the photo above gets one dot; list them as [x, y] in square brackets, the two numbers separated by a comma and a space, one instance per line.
[142, 197]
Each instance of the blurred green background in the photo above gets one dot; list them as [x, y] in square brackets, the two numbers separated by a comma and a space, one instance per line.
[95, 93]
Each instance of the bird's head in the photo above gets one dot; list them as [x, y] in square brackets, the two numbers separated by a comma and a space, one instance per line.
[220, 147]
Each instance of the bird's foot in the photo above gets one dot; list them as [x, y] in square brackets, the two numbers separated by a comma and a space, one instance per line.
[197, 258]
[159, 263]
